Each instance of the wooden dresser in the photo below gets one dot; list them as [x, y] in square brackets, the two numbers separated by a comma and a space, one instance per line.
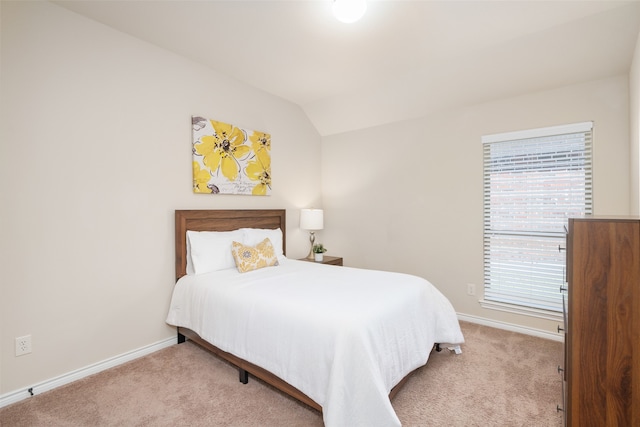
[602, 344]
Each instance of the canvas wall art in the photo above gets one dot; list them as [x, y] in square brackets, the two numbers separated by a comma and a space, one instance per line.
[230, 160]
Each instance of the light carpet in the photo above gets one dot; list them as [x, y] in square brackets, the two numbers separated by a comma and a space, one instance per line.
[501, 379]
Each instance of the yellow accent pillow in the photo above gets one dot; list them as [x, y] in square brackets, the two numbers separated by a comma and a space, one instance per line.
[254, 257]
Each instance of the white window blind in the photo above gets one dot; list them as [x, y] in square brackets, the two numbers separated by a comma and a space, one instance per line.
[533, 181]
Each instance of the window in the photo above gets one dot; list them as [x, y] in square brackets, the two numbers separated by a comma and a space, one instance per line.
[533, 181]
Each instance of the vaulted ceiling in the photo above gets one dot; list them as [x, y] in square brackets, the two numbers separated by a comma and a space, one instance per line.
[404, 59]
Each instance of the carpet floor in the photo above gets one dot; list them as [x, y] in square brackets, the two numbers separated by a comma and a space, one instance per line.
[501, 379]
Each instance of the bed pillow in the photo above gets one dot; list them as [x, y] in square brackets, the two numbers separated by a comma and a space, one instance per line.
[211, 250]
[253, 236]
[254, 257]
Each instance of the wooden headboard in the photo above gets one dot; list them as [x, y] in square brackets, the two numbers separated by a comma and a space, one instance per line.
[223, 220]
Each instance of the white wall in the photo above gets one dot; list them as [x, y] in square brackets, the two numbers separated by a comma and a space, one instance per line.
[408, 196]
[95, 156]
[634, 119]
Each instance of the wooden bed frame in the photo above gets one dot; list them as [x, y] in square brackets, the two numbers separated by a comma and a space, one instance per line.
[227, 220]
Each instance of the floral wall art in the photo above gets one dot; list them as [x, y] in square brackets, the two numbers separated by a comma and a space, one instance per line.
[230, 160]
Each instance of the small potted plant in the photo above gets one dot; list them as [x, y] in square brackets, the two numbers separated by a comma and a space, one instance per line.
[318, 251]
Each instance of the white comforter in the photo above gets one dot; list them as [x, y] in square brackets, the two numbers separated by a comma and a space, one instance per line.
[343, 336]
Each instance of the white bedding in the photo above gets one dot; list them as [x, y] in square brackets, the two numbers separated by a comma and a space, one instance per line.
[343, 336]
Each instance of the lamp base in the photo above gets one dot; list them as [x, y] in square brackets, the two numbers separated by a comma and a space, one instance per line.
[312, 239]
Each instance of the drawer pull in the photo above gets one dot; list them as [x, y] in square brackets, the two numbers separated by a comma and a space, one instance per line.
[559, 409]
[560, 329]
[560, 369]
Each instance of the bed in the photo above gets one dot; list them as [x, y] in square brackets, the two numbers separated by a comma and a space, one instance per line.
[341, 340]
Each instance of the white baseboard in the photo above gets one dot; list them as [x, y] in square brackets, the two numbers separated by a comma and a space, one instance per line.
[18, 395]
[511, 327]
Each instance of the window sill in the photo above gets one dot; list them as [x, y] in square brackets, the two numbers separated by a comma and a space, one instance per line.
[526, 311]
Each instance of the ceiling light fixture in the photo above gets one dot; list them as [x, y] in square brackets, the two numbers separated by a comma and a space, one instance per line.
[349, 11]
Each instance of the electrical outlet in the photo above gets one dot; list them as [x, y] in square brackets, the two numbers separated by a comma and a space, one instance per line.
[471, 289]
[23, 345]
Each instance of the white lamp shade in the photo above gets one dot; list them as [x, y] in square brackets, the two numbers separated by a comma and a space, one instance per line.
[312, 219]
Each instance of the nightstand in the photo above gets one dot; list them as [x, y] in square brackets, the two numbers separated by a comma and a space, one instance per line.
[330, 260]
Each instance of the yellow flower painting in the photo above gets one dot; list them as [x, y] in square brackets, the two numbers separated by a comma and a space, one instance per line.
[230, 160]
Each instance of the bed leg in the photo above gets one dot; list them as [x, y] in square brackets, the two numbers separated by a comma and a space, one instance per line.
[244, 376]
[438, 347]
[181, 338]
